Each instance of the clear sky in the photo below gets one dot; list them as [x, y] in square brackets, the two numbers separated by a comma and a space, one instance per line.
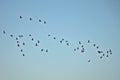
[73, 20]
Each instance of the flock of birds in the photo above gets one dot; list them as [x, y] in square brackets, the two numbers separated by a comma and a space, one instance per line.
[80, 47]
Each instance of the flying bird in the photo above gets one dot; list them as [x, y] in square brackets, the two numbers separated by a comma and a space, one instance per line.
[88, 41]
[40, 20]
[30, 19]
[11, 35]
[88, 60]
[38, 41]
[21, 50]
[20, 17]
[23, 54]
[23, 43]
[4, 32]
[79, 42]
[44, 22]
[18, 45]
[41, 49]
[46, 50]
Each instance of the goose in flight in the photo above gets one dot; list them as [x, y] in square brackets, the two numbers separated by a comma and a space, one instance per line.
[88, 41]
[88, 60]
[4, 32]
[40, 20]
[30, 19]
[79, 42]
[11, 35]
[20, 17]
[23, 54]
[44, 22]
[46, 50]
[41, 49]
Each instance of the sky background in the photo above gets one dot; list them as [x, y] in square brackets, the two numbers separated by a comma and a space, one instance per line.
[73, 20]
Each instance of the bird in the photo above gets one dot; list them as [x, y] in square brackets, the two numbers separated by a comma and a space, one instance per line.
[40, 20]
[79, 42]
[66, 41]
[18, 45]
[77, 48]
[36, 44]
[48, 34]
[107, 55]
[30, 19]
[110, 53]
[97, 47]
[44, 22]
[46, 50]
[88, 60]
[54, 38]
[17, 41]
[42, 49]
[100, 57]
[32, 39]
[23, 43]
[60, 41]
[82, 50]
[94, 45]
[74, 49]
[11, 35]
[88, 41]
[20, 36]
[20, 17]
[38, 41]
[16, 38]
[82, 46]
[23, 54]
[103, 54]
[68, 44]
[4, 32]
[107, 51]
[99, 52]
[21, 50]
[30, 35]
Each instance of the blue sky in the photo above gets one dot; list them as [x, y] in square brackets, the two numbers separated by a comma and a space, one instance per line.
[73, 20]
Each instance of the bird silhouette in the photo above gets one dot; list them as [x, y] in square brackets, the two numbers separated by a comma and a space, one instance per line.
[79, 42]
[18, 45]
[88, 41]
[23, 43]
[94, 45]
[44, 22]
[40, 20]
[23, 54]
[38, 41]
[32, 39]
[67, 44]
[60, 41]
[88, 60]
[74, 49]
[4, 32]
[42, 49]
[30, 19]
[46, 50]
[48, 34]
[54, 38]
[100, 57]
[11, 35]
[20, 17]
[30, 35]
[77, 48]
[21, 50]
[16, 38]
